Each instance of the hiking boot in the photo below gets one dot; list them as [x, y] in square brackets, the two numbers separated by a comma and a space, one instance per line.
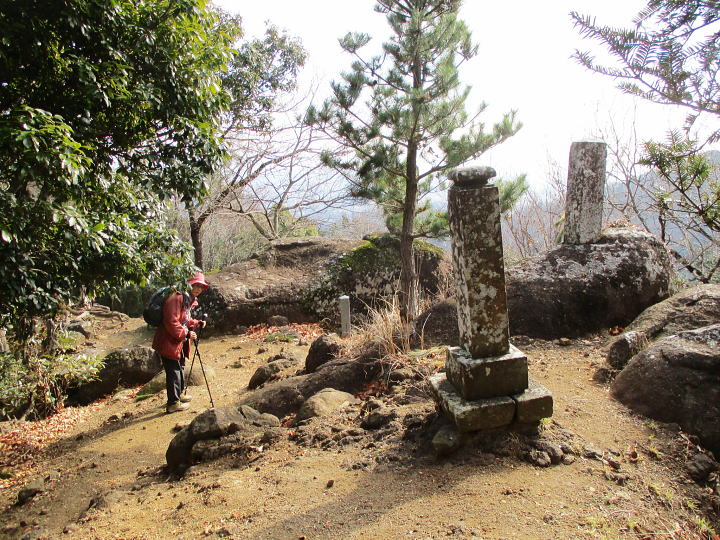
[185, 398]
[177, 407]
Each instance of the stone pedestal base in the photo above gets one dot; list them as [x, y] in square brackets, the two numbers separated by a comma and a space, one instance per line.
[493, 376]
[533, 404]
[527, 407]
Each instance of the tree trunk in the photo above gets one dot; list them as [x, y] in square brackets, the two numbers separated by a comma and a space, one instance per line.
[259, 228]
[408, 275]
[24, 328]
[195, 229]
[50, 343]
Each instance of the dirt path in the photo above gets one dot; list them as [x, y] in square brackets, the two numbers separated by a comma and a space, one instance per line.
[386, 486]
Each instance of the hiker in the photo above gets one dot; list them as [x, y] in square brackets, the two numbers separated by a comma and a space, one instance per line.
[172, 340]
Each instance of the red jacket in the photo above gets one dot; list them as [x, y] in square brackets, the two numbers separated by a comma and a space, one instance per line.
[169, 339]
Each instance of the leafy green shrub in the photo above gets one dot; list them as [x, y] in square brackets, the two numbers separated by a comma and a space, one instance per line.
[12, 388]
[36, 387]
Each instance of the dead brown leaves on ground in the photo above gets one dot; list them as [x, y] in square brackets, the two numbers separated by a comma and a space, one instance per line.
[305, 331]
[22, 445]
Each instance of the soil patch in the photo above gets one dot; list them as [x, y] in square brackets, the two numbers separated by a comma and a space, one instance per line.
[101, 473]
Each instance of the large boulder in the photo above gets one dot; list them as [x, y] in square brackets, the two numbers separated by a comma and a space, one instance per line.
[576, 289]
[214, 424]
[572, 290]
[121, 368]
[274, 283]
[369, 275]
[689, 309]
[677, 379]
[301, 279]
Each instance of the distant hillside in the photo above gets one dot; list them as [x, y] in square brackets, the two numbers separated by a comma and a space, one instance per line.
[713, 156]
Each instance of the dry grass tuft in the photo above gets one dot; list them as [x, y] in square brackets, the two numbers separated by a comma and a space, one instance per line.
[396, 342]
[383, 327]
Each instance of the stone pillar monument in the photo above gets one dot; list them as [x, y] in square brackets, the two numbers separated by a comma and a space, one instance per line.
[585, 192]
[344, 302]
[477, 251]
[486, 383]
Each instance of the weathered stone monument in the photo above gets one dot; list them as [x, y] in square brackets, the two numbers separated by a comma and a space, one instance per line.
[486, 383]
[344, 302]
[585, 192]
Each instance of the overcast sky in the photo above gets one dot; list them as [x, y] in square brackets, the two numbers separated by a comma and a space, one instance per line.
[524, 63]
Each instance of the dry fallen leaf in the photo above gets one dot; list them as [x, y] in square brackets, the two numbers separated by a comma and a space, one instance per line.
[22, 445]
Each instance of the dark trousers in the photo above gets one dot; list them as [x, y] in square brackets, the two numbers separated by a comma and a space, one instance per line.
[174, 378]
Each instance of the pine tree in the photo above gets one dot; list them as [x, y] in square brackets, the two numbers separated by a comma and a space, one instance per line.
[402, 114]
[671, 56]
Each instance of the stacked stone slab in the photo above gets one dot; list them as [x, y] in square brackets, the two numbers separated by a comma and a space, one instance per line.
[486, 382]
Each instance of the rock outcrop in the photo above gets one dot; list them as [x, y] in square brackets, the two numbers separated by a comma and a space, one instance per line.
[369, 275]
[301, 280]
[121, 368]
[274, 283]
[573, 289]
[677, 379]
[689, 309]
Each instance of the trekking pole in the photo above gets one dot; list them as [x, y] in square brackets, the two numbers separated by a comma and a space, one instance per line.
[202, 367]
[192, 363]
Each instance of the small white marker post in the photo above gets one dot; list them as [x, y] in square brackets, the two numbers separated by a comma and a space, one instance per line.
[344, 301]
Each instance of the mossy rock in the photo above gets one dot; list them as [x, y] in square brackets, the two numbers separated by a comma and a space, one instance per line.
[369, 275]
[382, 251]
[369, 257]
[152, 387]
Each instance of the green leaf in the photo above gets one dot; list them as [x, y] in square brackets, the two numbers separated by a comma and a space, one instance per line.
[125, 122]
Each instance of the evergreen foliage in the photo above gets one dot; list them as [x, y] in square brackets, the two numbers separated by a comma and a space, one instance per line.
[510, 191]
[106, 108]
[402, 114]
[259, 71]
[671, 56]
[36, 387]
[692, 188]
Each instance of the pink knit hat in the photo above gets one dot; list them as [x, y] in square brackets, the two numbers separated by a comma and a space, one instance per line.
[198, 277]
